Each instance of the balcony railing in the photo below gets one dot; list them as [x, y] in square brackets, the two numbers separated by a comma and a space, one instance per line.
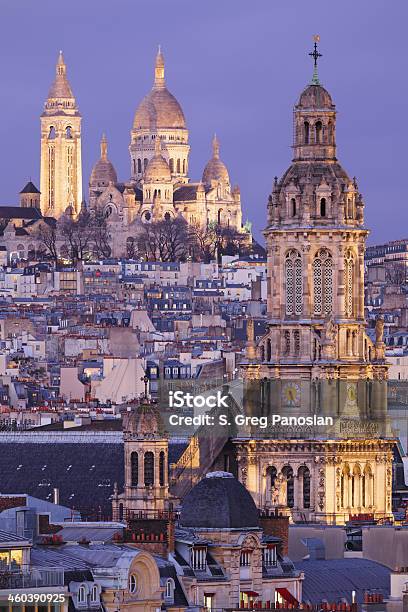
[34, 578]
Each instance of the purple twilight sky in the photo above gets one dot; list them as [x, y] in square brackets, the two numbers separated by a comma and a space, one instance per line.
[236, 67]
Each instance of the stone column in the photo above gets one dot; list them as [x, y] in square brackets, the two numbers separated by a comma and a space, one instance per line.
[340, 282]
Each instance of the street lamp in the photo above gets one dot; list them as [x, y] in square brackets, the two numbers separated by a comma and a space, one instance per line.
[145, 380]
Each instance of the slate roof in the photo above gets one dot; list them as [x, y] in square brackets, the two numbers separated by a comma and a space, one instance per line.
[335, 579]
[84, 473]
[30, 188]
[219, 502]
[17, 212]
[6, 537]
[185, 193]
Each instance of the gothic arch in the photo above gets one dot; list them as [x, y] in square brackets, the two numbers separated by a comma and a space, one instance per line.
[323, 283]
[304, 479]
[318, 132]
[148, 468]
[349, 283]
[134, 469]
[294, 282]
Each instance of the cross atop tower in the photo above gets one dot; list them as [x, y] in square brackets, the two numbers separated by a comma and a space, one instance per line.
[315, 55]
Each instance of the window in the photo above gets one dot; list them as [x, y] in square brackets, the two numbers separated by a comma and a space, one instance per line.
[293, 207]
[145, 161]
[304, 478]
[171, 164]
[139, 166]
[306, 132]
[323, 283]
[81, 594]
[209, 601]
[198, 558]
[178, 166]
[94, 594]
[287, 472]
[318, 132]
[148, 469]
[270, 556]
[133, 583]
[348, 283]
[245, 558]
[68, 132]
[169, 589]
[162, 469]
[134, 468]
[294, 283]
[323, 207]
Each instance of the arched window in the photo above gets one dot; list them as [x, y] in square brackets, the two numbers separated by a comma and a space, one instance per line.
[168, 593]
[304, 477]
[148, 468]
[348, 283]
[134, 469]
[171, 164]
[94, 594]
[162, 466]
[68, 132]
[219, 216]
[287, 472]
[139, 165]
[133, 583]
[306, 132]
[330, 132]
[318, 132]
[167, 216]
[323, 283]
[296, 341]
[178, 166]
[121, 512]
[323, 207]
[293, 207]
[81, 594]
[51, 134]
[145, 162]
[268, 350]
[294, 283]
[271, 474]
[184, 166]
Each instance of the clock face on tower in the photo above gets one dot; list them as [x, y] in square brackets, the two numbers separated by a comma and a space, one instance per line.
[291, 394]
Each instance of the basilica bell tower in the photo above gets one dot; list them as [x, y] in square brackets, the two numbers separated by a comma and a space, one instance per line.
[61, 166]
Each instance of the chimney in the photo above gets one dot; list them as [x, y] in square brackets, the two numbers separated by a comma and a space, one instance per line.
[56, 496]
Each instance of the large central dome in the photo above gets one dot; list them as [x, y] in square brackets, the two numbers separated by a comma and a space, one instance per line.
[159, 109]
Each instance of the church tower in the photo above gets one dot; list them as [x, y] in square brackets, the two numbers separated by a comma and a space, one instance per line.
[315, 359]
[61, 166]
[146, 464]
[316, 241]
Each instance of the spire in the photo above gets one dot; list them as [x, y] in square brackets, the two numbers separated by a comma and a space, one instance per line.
[159, 70]
[216, 147]
[104, 147]
[60, 87]
[315, 55]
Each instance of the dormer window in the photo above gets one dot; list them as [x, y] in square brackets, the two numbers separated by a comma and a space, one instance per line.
[82, 594]
[94, 594]
[199, 558]
[270, 556]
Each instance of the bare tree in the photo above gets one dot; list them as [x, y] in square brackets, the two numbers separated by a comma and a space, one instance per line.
[165, 240]
[212, 241]
[47, 236]
[396, 273]
[78, 234]
[100, 234]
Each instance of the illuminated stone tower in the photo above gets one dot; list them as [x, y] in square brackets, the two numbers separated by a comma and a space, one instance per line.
[146, 463]
[159, 114]
[61, 166]
[315, 359]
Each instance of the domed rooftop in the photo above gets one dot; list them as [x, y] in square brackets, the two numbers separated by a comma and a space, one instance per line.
[215, 169]
[142, 422]
[219, 501]
[103, 171]
[157, 170]
[315, 96]
[159, 109]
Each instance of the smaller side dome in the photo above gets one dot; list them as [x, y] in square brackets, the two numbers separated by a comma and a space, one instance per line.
[143, 422]
[215, 169]
[103, 171]
[157, 170]
[219, 501]
[315, 96]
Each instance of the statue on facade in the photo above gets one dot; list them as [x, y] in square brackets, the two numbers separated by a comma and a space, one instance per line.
[379, 330]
